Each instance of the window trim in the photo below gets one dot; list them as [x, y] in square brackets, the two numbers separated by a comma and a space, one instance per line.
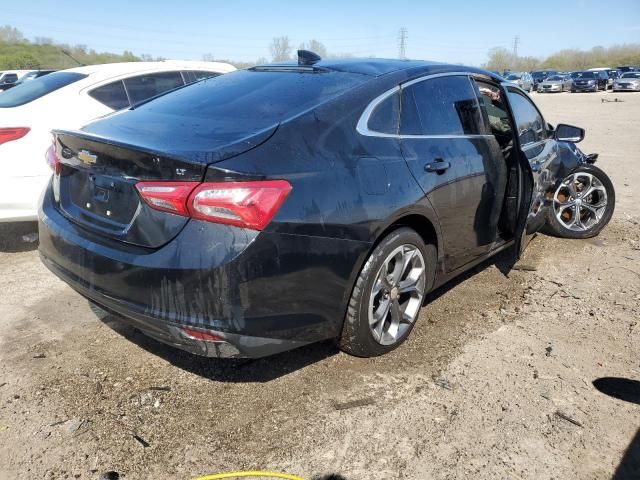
[362, 126]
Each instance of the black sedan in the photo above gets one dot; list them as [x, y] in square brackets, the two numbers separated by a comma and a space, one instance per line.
[286, 204]
[589, 81]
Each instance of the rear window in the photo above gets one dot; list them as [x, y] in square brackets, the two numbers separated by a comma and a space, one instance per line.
[39, 87]
[143, 87]
[113, 95]
[253, 100]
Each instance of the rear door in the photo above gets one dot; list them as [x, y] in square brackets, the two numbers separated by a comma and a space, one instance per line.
[453, 159]
[538, 150]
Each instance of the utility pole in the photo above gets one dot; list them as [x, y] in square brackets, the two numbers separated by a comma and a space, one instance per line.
[402, 43]
[516, 42]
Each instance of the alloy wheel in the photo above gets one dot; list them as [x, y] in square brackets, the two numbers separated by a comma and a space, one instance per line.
[580, 201]
[396, 295]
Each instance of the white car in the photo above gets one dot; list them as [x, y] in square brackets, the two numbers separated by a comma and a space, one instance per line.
[68, 99]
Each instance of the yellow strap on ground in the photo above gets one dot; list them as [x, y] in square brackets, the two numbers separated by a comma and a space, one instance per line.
[220, 476]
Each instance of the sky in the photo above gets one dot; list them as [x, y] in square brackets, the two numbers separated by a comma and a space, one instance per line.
[449, 31]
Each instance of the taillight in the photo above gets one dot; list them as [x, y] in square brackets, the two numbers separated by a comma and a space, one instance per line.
[11, 134]
[52, 158]
[242, 204]
[167, 196]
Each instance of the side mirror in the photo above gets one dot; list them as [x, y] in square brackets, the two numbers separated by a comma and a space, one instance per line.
[569, 133]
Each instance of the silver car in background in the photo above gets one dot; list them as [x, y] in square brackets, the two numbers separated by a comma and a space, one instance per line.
[523, 79]
[627, 82]
[555, 83]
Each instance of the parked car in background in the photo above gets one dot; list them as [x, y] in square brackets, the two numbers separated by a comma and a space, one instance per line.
[613, 74]
[523, 79]
[628, 81]
[8, 78]
[540, 75]
[589, 81]
[29, 76]
[69, 99]
[555, 83]
[607, 70]
[628, 68]
[287, 204]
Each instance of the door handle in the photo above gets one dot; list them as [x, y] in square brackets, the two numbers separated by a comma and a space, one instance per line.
[439, 166]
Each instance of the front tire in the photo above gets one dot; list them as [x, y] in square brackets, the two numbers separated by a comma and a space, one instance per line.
[582, 204]
[388, 294]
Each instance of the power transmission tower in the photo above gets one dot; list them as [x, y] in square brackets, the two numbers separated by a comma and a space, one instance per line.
[516, 42]
[402, 43]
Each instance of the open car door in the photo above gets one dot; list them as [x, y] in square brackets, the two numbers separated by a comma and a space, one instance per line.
[536, 149]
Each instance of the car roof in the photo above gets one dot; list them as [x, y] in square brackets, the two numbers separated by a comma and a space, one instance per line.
[108, 70]
[376, 67]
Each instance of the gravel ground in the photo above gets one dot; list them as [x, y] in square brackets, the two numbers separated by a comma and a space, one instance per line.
[509, 374]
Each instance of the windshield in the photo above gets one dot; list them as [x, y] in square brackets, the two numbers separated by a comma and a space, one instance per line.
[554, 78]
[583, 75]
[631, 75]
[514, 76]
[38, 87]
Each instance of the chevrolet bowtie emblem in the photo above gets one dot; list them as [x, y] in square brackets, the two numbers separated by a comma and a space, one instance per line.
[87, 157]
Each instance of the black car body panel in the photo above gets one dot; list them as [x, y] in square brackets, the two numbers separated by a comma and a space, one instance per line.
[289, 284]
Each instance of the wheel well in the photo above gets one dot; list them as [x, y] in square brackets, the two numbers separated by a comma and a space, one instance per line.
[422, 225]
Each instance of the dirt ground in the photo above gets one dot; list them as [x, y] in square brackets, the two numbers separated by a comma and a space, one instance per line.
[496, 381]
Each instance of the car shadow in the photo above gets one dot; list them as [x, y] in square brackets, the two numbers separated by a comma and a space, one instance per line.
[18, 237]
[629, 391]
[230, 370]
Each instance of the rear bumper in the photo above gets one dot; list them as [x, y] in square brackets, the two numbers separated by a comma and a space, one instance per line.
[261, 292]
[234, 345]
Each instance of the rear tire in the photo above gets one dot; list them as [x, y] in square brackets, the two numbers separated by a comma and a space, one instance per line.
[582, 204]
[387, 297]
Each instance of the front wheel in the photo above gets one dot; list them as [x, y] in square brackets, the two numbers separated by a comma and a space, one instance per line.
[583, 204]
[388, 294]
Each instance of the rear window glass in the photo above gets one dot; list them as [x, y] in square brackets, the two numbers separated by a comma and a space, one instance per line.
[143, 87]
[253, 100]
[34, 89]
[113, 95]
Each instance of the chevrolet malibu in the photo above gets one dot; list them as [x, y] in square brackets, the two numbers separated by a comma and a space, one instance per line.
[269, 208]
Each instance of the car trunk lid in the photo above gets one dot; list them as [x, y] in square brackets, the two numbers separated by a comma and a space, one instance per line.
[96, 186]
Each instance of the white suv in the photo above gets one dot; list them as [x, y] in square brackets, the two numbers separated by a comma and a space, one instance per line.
[69, 99]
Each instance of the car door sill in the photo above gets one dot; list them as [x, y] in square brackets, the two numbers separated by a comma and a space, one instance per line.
[444, 277]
